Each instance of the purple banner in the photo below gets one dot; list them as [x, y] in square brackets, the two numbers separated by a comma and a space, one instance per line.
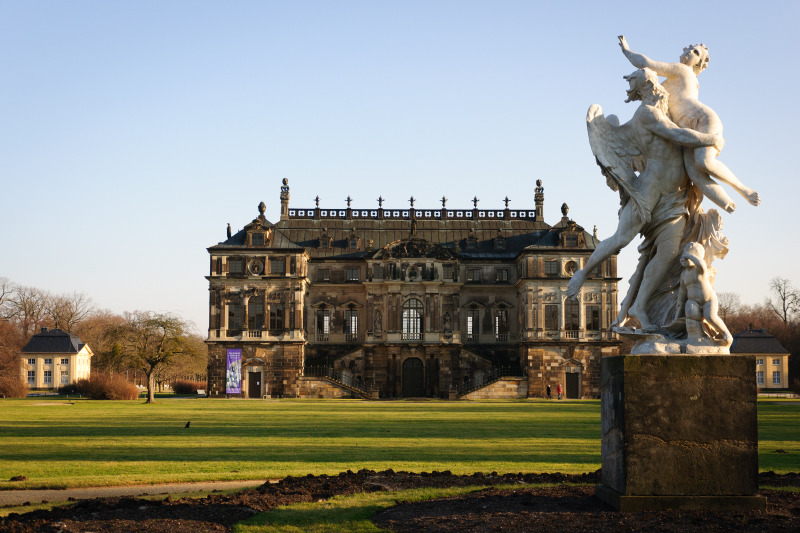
[233, 385]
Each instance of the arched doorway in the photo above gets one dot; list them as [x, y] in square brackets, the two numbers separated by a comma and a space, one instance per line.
[413, 378]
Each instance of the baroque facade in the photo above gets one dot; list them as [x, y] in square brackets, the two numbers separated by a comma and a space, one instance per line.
[407, 302]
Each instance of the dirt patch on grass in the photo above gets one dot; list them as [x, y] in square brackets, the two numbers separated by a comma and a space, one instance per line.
[564, 507]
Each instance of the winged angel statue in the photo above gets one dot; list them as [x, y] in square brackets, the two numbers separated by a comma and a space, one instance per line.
[643, 160]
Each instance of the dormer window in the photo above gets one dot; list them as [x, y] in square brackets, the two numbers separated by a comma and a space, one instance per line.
[571, 241]
[257, 239]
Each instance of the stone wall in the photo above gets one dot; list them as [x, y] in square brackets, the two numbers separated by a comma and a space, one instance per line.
[503, 389]
[319, 388]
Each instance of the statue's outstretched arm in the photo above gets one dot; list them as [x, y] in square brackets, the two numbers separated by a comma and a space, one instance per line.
[667, 70]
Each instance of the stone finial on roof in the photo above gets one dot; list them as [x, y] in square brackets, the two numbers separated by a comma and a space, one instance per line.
[475, 201]
[316, 200]
[594, 232]
[380, 201]
[564, 209]
[506, 200]
[348, 200]
[412, 201]
[229, 230]
[444, 201]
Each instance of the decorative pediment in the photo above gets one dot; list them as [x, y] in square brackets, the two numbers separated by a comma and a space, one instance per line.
[472, 304]
[414, 248]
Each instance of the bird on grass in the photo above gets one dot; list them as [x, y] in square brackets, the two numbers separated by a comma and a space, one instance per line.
[189, 423]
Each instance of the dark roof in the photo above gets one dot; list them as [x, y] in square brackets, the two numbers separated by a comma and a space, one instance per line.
[757, 341]
[53, 341]
[452, 234]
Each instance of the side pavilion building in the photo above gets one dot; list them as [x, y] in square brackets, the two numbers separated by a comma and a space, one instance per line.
[407, 302]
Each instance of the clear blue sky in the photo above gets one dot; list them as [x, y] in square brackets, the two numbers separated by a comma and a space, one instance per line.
[131, 133]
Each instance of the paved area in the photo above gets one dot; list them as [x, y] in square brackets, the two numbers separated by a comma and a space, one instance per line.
[19, 497]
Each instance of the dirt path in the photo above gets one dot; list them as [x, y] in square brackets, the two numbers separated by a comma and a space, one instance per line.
[19, 497]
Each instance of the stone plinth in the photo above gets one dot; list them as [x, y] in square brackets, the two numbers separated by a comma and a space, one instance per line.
[679, 431]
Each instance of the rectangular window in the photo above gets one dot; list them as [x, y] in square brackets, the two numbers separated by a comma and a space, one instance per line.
[447, 271]
[235, 317]
[571, 315]
[760, 377]
[351, 274]
[354, 243]
[501, 325]
[760, 362]
[323, 324]
[48, 376]
[776, 362]
[257, 239]
[65, 361]
[276, 317]
[324, 274]
[48, 361]
[377, 272]
[551, 268]
[64, 378]
[31, 377]
[31, 361]
[593, 317]
[235, 266]
[501, 275]
[473, 275]
[255, 313]
[473, 324]
[350, 324]
[571, 241]
[776, 377]
[550, 317]
[277, 266]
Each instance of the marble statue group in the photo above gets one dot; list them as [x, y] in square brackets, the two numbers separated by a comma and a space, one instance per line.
[663, 162]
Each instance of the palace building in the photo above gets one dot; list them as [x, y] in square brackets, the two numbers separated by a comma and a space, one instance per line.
[407, 302]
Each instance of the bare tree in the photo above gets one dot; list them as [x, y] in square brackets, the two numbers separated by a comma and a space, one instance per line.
[28, 308]
[785, 300]
[153, 340]
[67, 310]
[729, 303]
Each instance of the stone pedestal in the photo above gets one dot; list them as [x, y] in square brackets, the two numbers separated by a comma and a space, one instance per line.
[679, 432]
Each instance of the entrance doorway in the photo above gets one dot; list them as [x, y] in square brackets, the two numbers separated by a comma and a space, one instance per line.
[254, 384]
[413, 378]
[573, 384]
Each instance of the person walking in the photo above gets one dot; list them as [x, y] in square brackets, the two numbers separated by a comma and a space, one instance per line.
[558, 391]
[549, 395]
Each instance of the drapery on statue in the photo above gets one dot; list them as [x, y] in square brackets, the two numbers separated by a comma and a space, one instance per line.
[650, 161]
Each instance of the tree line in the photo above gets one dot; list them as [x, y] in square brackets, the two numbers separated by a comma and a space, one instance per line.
[159, 345]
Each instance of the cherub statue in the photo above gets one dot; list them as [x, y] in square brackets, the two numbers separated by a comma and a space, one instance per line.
[654, 202]
[687, 111]
[697, 301]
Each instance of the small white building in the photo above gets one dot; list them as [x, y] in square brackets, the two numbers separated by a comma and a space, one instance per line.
[54, 358]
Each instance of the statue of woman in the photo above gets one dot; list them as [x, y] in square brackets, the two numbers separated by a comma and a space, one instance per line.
[687, 111]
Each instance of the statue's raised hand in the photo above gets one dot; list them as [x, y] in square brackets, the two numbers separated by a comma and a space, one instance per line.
[623, 43]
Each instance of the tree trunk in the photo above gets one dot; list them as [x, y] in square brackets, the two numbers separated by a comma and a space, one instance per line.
[151, 392]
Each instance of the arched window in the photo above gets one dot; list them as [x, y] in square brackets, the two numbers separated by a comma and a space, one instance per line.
[412, 320]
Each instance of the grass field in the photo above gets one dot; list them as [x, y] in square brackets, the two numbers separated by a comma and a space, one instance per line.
[69, 443]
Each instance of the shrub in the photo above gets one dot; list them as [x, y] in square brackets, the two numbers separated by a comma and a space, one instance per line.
[795, 386]
[185, 386]
[104, 387]
[12, 387]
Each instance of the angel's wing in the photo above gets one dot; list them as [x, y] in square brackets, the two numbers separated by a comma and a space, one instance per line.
[618, 156]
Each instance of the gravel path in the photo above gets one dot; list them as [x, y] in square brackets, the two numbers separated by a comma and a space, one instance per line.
[19, 497]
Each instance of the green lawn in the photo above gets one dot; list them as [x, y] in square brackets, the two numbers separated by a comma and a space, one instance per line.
[57, 443]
